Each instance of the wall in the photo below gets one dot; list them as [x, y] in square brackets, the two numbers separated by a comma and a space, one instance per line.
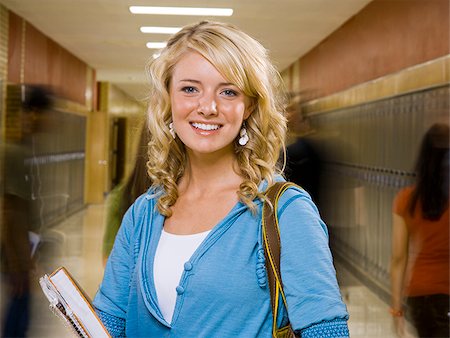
[385, 37]
[36, 59]
[4, 21]
[33, 58]
[368, 153]
[59, 139]
[371, 89]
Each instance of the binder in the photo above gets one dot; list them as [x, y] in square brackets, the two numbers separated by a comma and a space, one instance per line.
[69, 302]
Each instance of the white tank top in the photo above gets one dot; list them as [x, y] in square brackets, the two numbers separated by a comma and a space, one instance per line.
[171, 254]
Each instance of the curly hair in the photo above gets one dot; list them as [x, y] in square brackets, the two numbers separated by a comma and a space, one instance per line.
[242, 61]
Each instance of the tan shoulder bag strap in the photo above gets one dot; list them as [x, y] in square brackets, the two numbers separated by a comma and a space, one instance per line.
[272, 250]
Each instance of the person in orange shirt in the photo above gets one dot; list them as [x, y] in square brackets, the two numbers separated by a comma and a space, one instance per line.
[420, 241]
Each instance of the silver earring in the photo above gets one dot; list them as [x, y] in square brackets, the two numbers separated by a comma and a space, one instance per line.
[172, 130]
[243, 137]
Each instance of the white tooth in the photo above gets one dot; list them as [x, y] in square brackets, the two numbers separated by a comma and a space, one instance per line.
[204, 126]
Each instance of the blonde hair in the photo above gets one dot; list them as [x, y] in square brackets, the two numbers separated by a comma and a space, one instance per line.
[242, 61]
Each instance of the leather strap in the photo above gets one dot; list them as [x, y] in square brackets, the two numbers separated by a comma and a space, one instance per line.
[272, 251]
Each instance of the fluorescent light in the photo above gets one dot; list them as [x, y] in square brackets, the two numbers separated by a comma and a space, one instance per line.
[156, 45]
[160, 30]
[156, 55]
[181, 11]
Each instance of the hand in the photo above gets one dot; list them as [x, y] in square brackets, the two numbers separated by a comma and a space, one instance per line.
[399, 326]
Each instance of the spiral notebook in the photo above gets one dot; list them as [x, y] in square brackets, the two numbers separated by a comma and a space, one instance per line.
[69, 302]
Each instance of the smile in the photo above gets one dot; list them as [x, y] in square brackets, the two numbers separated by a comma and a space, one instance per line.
[206, 127]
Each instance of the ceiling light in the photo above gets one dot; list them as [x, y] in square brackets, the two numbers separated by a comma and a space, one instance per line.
[156, 45]
[160, 30]
[156, 55]
[181, 11]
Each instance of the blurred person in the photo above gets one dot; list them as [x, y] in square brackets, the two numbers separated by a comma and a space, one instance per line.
[420, 241]
[15, 246]
[18, 241]
[188, 259]
[123, 196]
[302, 160]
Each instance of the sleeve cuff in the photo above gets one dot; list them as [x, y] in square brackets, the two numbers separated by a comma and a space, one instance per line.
[336, 328]
[114, 325]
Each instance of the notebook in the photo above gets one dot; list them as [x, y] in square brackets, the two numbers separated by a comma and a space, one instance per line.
[69, 302]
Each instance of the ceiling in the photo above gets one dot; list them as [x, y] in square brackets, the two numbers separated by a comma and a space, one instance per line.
[105, 35]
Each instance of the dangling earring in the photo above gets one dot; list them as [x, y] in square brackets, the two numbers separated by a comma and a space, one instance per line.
[243, 136]
[172, 130]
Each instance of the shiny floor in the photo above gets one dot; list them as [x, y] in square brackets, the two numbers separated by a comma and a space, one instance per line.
[76, 244]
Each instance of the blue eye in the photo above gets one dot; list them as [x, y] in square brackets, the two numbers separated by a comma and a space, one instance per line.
[229, 92]
[189, 89]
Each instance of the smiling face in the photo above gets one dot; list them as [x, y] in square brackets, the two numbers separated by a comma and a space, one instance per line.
[207, 110]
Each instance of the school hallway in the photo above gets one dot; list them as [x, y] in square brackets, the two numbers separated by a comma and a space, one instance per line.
[364, 81]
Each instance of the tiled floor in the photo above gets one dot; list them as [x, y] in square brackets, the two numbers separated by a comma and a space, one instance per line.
[369, 316]
[76, 244]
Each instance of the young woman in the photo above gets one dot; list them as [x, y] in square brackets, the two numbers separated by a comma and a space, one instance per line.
[188, 260]
[420, 241]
